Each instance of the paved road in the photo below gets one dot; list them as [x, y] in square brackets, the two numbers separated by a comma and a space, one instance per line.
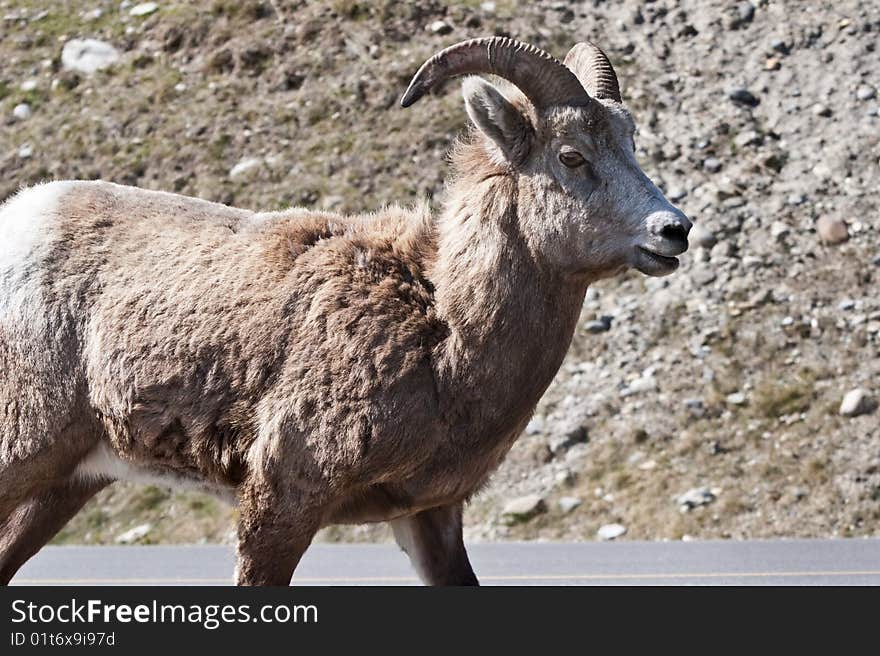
[754, 562]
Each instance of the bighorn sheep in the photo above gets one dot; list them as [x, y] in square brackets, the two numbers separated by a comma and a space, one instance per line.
[316, 368]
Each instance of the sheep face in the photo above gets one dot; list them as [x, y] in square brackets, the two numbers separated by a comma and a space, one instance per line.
[585, 205]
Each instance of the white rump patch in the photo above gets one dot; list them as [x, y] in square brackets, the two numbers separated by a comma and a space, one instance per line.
[26, 221]
[26, 227]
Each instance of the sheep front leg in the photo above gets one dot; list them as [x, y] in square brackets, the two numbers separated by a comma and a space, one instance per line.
[274, 531]
[35, 521]
[433, 541]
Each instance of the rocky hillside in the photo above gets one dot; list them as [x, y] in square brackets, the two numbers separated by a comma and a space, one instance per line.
[707, 404]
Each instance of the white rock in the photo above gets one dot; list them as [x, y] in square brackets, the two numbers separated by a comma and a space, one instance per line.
[701, 236]
[737, 398]
[779, 230]
[524, 508]
[822, 171]
[857, 402]
[564, 477]
[22, 111]
[864, 92]
[610, 531]
[567, 504]
[440, 27]
[639, 385]
[698, 496]
[26, 151]
[832, 229]
[246, 169]
[535, 425]
[88, 55]
[134, 534]
[676, 193]
[144, 9]
[29, 85]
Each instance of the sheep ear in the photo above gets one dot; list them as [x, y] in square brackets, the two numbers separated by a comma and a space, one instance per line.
[497, 118]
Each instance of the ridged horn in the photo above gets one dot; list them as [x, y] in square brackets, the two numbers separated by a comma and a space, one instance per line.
[593, 68]
[541, 77]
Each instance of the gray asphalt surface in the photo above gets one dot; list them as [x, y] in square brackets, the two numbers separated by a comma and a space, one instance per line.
[755, 562]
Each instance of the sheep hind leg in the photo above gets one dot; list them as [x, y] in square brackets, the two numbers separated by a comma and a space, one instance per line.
[433, 541]
[36, 521]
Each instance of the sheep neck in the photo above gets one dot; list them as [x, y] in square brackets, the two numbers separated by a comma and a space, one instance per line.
[510, 318]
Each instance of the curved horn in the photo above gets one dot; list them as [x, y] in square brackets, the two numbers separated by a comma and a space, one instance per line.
[594, 70]
[539, 75]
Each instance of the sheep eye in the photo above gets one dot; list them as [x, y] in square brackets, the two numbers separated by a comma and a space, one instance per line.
[571, 158]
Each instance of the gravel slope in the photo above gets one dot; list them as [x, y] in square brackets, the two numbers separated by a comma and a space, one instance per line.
[724, 380]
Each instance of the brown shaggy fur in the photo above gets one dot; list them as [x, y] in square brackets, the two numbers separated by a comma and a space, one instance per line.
[313, 368]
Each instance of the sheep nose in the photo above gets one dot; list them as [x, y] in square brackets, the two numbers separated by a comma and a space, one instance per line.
[674, 231]
[668, 231]
[669, 224]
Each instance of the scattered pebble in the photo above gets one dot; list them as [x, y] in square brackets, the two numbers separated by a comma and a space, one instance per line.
[610, 531]
[144, 9]
[712, 164]
[640, 385]
[701, 237]
[600, 325]
[737, 398]
[864, 92]
[536, 425]
[779, 46]
[747, 138]
[832, 230]
[28, 85]
[439, 27]
[743, 96]
[246, 169]
[857, 402]
[567, 504]
[88, 55]
[822, 171]
[561, 443]
[523, 509]
[134, 534]
[779, 230]
[695, 497]
[26, 151]
[703, 275]
[22, 111]
[676, 194]
[564, 477]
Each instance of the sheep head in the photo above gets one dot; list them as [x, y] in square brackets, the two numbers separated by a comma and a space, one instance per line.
[584, 204]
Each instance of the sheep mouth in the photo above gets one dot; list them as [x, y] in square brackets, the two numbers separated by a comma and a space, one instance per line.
[654, 264]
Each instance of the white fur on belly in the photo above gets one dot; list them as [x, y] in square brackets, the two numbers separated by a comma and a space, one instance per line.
[27, 224]
[103, 463]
